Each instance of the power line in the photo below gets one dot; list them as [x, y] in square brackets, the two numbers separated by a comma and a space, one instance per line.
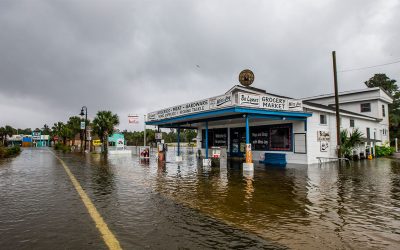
[368, 67]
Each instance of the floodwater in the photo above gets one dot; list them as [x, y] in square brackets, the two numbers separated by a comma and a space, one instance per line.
[169, 206]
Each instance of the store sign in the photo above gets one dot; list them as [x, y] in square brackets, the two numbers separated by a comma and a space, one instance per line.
[184, 109]
[220, 101]
[36, 135]
[323, 136]
[97, 143]
[268, 102]
[295, 105]
[273, 102]
[249, 100]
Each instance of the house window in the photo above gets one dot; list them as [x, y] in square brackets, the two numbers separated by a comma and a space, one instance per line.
[351, 123]
[322, 119]
[368, 133]
[366, 107]
[383, 111]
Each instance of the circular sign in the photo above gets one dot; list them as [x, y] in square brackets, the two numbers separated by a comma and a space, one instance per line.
[246, 77]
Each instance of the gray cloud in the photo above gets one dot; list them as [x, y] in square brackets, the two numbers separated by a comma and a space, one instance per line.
[138, 56]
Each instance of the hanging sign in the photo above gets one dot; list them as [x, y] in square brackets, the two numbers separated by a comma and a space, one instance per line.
[82, 125]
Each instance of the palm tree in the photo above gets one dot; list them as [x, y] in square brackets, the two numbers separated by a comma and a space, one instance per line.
[103, 126]
[348, 141]
[56, 129]
[74, 124]
[46, 130]
[65, 133]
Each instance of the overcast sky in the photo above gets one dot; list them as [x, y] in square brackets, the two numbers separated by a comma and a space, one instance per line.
[133, 57]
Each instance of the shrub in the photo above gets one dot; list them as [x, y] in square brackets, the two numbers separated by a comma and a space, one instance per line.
[62, 147]
[384, 150]
[9, 152]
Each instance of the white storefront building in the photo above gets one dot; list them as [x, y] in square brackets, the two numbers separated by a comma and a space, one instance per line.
[299, 130]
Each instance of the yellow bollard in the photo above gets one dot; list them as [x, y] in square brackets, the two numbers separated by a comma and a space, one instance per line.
[249, 155]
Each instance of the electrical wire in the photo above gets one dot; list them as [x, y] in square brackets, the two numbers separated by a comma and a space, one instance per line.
[368, 67]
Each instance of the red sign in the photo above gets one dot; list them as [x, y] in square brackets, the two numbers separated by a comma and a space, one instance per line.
[133, 119]
[55, 138]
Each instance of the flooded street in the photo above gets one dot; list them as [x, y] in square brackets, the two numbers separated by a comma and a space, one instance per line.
[186, 206]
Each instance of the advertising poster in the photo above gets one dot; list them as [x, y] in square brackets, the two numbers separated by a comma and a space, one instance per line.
[144, 152]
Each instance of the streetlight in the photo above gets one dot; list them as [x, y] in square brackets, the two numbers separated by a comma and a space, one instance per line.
[84, 113]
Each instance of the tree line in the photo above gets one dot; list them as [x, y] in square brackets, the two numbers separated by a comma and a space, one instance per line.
[136, 138]
[102, 126]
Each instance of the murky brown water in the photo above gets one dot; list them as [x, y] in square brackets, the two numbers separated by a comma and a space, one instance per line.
[172, 206]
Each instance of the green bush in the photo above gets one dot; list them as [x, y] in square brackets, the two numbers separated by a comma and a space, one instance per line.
[62, 147]
[9, 152]
[384, 150]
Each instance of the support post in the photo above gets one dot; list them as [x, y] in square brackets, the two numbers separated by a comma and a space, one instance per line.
[144, 132]
[178, 154]
[206, 161]
[248, 165]
[395, 145]
[206, 146]
[179, 141]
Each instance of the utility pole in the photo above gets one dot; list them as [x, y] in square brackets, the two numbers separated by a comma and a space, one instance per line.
[339, 153]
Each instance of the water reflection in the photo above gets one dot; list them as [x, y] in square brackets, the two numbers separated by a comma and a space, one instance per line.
[301, 207]
[339, 206]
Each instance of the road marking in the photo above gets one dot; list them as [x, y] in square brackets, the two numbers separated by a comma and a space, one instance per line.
[108, 237]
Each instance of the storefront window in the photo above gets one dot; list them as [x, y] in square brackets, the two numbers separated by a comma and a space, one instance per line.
[280, 138]
[216, 137]
[262, 138]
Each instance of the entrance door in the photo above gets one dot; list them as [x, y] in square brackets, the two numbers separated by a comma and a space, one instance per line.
[238, 142]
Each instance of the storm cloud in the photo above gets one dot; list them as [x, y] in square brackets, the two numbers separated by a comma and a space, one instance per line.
[133, 57]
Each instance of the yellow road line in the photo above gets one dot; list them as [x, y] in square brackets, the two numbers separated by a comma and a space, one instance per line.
[108, 237]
